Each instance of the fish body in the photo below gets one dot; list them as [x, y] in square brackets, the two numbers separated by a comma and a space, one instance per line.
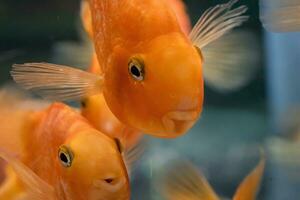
[61, 156]
[152, 76]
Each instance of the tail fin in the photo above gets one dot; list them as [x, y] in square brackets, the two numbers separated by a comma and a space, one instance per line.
[184, 182]
[248, 189]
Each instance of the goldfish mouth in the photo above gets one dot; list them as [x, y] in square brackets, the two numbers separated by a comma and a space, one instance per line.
[178, 122]
[113, 187]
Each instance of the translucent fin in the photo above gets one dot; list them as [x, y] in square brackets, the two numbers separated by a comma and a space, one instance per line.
[86, 17]
[133, 154]
[248, 189]
[232, 62]
[37, 188]
[184, 182]
[57, 82]
[217, 21]
[280, 15]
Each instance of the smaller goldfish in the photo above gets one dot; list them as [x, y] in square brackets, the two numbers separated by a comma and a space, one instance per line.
[60, 156]
[184, 182]
[280, 15]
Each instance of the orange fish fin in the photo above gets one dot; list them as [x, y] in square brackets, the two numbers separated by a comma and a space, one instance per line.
[86, 17]
[280, 15]
[133, 154]
[248, 189]
[184, 182]
[232, 62]
[57, 82]
[217, 21]
[36, 188]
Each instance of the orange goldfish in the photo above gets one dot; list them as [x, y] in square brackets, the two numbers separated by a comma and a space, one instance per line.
[280, 15]
[184, 182]
[152, 72]
[94, 108]
[60, 157]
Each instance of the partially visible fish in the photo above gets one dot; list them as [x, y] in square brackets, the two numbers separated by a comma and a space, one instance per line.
[185, 182]
[280, 15]
[56, 154]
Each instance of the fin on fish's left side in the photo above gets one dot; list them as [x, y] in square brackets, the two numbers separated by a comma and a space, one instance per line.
[184, 182]
[280, 15]
[36, 188]
[230, 62]
[249, 187]
[57, 82]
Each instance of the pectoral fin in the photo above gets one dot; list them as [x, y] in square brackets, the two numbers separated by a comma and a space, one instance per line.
[36, 188]
[57, 82]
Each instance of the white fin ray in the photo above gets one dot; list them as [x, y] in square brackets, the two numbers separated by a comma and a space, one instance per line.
[280, 15]
[56, 82]
[232, 62]
[36, 188]
[184, 182]
[217, 21]
[134, 154]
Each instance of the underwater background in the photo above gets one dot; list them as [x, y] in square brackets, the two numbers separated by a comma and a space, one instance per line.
[225, 142]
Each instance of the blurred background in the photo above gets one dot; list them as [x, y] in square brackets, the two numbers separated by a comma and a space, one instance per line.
[224, 143]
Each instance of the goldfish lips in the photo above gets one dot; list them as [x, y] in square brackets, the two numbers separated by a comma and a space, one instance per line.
[178, 122]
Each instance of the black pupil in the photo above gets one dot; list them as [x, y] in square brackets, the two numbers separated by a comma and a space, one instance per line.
[63, 158]
[109, 180]
[135, 71]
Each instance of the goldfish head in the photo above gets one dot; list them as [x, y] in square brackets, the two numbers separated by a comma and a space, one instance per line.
[92, 168]
[157, 86]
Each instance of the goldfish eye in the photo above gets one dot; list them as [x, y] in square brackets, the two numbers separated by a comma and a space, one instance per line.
[136, 68]
[65, 156]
